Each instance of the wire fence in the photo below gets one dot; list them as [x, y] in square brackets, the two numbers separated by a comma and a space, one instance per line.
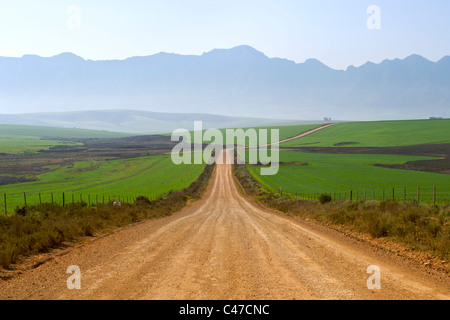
[11, 201]
[426, 194]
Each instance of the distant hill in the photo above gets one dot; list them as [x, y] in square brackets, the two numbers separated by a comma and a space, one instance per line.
[240, 82]
[138, 122]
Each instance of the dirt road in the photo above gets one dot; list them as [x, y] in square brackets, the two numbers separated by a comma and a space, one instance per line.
[225, 247]
[301, 135]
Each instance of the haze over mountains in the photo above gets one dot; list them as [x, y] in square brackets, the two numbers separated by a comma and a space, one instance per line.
[138, 122]
[240, 82]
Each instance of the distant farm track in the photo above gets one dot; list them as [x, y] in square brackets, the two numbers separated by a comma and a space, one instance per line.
[225, 246]
[304, 134]
[301, 135]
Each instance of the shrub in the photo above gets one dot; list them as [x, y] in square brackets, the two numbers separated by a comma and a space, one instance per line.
[378, 227]
[324, 198]
[142, 200]
[21, 211]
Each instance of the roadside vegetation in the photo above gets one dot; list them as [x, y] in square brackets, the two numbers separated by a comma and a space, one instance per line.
[419, 226]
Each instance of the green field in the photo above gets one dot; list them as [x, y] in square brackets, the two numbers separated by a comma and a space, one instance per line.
[150, 176]
[31, 139]
[378, 134]
[54, 132]
[328, 173]
[29, 145]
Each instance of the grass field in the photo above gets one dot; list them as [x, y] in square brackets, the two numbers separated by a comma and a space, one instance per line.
[149, 176]
[18, 144]
[326, 173]
[54, 132]
[31, 139]
[378, 134]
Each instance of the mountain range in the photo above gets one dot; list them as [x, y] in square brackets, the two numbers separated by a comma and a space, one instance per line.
[240, 81]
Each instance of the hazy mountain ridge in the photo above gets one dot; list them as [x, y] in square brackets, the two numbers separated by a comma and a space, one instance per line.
[240, 81]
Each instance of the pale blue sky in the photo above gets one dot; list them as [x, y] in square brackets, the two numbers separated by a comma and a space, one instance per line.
[333, 31]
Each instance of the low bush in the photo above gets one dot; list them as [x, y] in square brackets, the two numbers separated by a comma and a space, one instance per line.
[324, 198]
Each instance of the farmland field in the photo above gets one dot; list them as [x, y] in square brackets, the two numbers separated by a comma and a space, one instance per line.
[37, 132]
[39, 164]
[31, 139]
[378, 134]
[150, 176]
[325, 173]
[367, 157]
[29, 145]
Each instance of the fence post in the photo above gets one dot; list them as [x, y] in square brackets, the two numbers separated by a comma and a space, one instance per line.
[393, 194]
[351, 195]
[52, 198]
[434, 195]
[6, 210]
[418, 194]
[404, 194]
[25, 198]
[40, 199]
[64, 200]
